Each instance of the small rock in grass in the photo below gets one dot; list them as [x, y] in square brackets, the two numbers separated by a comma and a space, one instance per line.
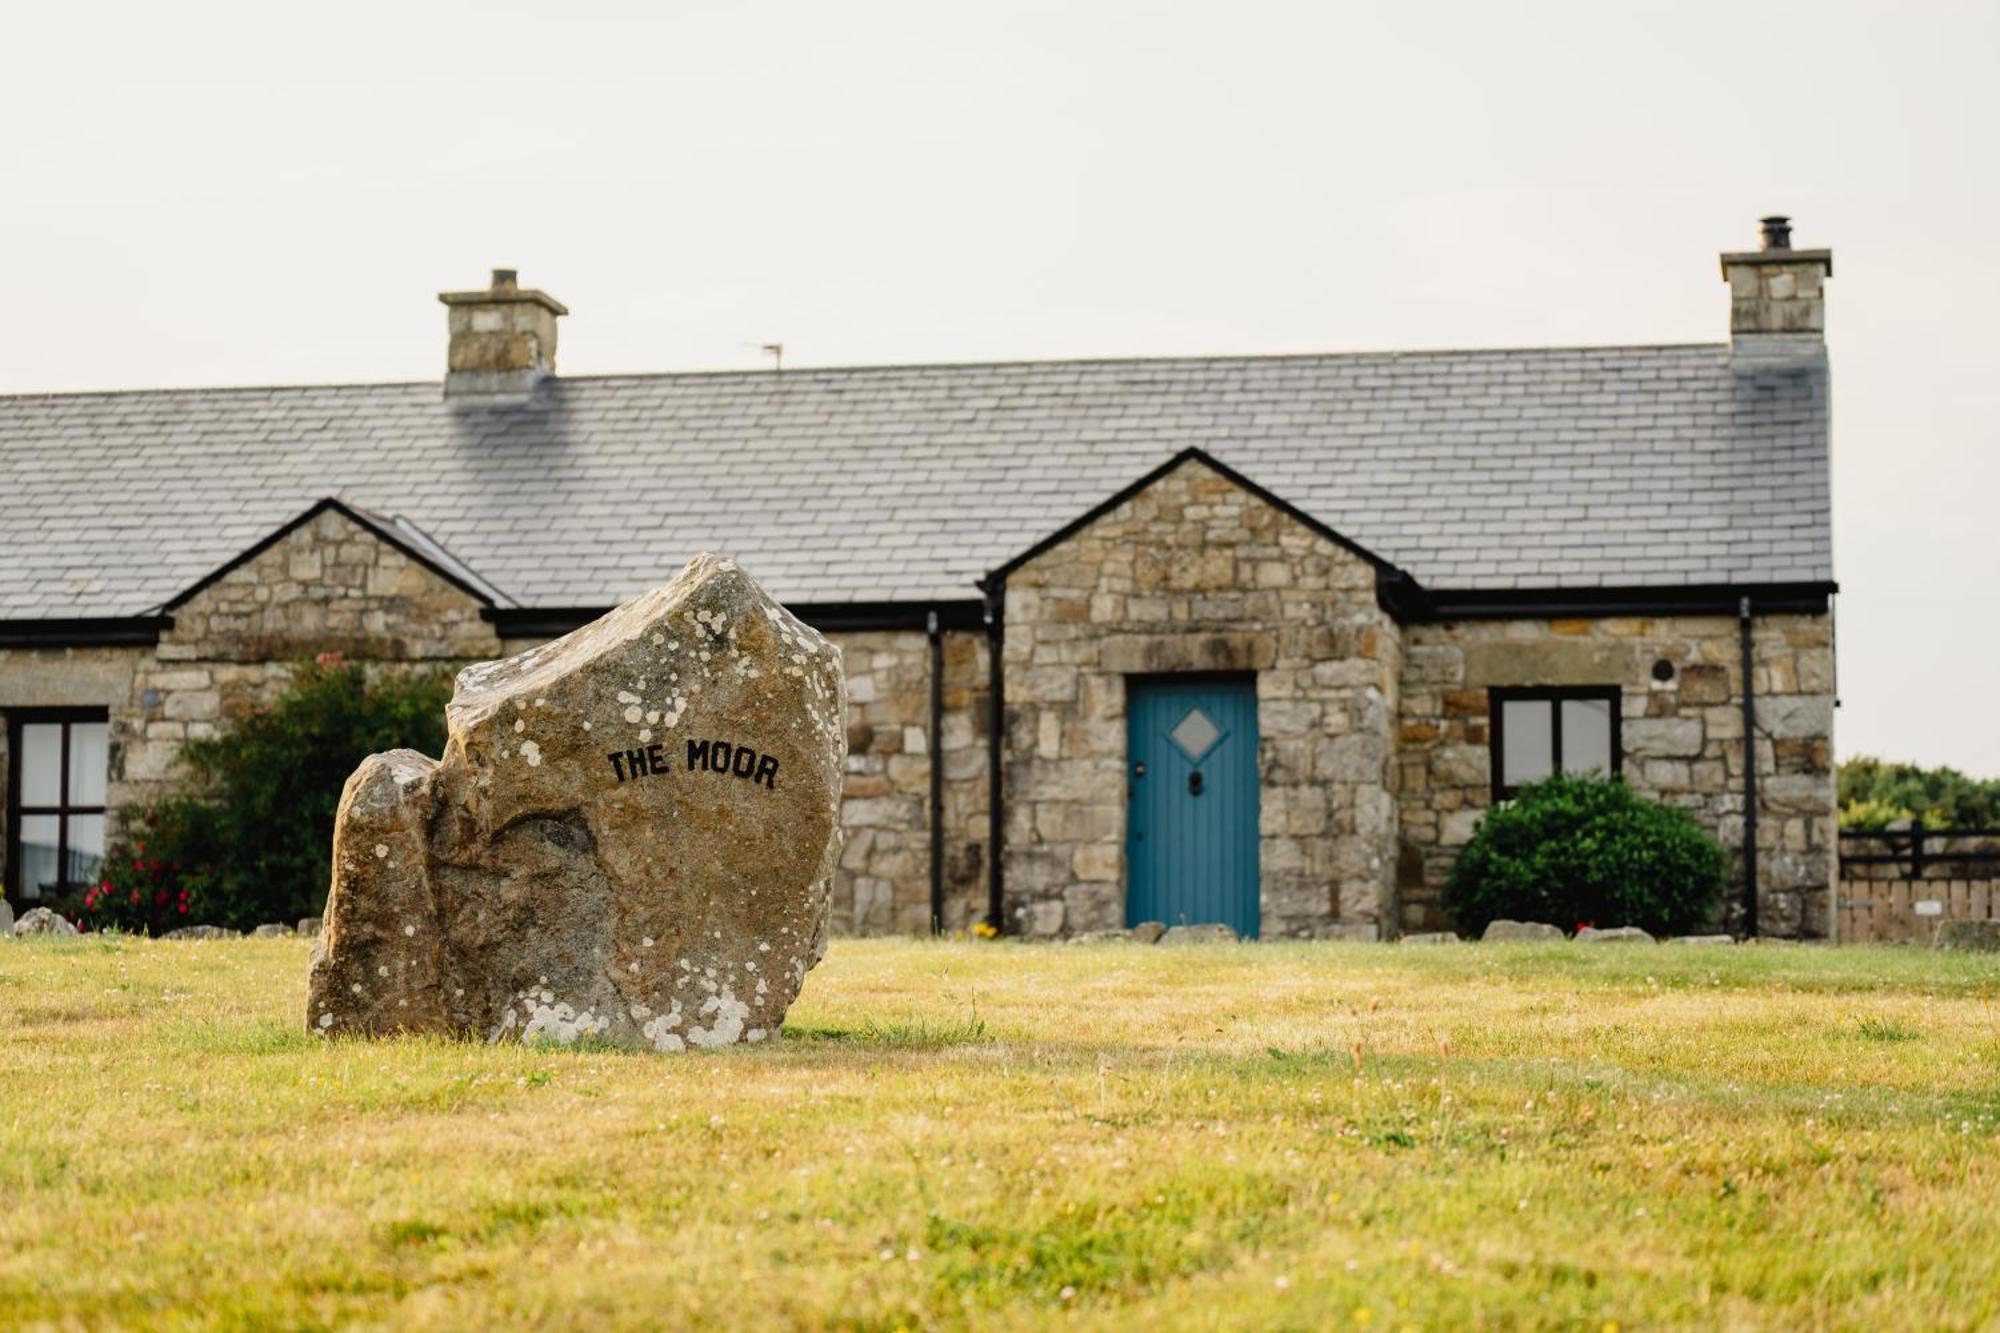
[1967, 936]
[1614, 935]
[1210, 932]
[6, 918]
[271, 930]
[309, 926]
[1101, 937]
[1504, 931]
[203, 933]
[42, 921]
[1702, 939]
[1148, 932]
[1433, 937]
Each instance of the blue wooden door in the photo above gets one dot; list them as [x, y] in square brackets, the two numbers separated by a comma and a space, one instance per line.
[1191, 765]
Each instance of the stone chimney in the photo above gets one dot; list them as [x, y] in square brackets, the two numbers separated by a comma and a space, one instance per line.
[503, 340]
[1777, 298]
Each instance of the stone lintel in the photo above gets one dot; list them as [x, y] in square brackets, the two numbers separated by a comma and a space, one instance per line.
[1143, 654]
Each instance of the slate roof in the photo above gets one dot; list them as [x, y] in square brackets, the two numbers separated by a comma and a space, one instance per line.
[1545, 468]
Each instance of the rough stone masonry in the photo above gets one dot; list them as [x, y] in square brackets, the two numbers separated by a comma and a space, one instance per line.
[631, 837]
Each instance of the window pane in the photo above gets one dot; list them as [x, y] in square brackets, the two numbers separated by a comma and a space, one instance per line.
[86, 848]
[38, 855]
[41, 765]
[1586, 735]
[87, 762]
[1528, 732]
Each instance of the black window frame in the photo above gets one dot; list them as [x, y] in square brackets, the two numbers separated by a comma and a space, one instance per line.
[17, 718]
[1496, 729]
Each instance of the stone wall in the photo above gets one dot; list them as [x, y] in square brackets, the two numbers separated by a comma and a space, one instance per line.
[1683, 740]
[884, 885]
[327, 585]
[1195, 573]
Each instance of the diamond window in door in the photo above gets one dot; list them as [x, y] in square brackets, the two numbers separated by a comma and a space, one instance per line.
[1195, 734]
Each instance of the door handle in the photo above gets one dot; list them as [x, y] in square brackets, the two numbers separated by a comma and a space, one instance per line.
[1194, 783]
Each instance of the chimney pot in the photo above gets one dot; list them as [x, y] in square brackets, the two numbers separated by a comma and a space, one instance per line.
[503, 340]
[1777, 232]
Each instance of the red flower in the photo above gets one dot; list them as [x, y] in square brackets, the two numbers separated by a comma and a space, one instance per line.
[182, 909]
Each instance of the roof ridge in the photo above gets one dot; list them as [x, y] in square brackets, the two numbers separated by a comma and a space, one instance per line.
[900, 367]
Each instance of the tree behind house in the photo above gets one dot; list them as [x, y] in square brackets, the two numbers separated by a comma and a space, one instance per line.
[248, 838]
[1874, 794]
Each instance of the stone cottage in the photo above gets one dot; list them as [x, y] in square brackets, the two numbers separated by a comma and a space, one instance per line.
[1244, 639]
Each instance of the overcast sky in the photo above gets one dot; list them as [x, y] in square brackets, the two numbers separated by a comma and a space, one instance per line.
[213, 194]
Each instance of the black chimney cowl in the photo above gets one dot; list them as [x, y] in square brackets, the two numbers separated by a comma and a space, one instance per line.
[1777, 232]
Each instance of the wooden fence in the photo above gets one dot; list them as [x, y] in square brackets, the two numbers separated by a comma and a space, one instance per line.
[1906, 911]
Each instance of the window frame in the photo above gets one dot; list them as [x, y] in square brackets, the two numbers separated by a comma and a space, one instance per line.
[17, 718]
[1555, 695]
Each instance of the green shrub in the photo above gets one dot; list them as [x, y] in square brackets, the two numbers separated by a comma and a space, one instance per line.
[1588, 850]
[249, 839]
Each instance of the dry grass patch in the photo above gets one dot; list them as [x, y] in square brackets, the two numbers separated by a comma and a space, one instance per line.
[1277, 1136]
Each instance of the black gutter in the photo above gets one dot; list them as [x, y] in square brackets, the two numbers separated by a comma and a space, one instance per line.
[85, 632]
[1409, 602]
[937, 774]
[996, 727]
[1406, 600]
[827, 617]
[1749, 776]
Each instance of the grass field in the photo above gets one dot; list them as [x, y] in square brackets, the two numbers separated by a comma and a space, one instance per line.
[1278, 1136]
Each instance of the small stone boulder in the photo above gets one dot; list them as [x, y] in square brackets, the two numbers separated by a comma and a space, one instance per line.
[1433, 937]
[1209, 932]
[630, 839]
[6, 918]
[309, 926]
[1614, 935]
[1102, 937]
[1504, 931]
[1967, 936]
[1702, 939]
[203, 933]
[271, 930]
[1148, 932]
[42, 921]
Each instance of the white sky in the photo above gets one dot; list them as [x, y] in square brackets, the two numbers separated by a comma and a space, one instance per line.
[227, 194]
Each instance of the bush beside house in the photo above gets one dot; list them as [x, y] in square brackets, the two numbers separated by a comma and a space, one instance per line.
[248, 838]
[1588, 850]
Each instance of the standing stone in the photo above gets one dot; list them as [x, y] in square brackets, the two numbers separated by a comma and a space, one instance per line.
[309, 926]
[1504, 930]
[631, 837]
[6, 918]
[42, 921]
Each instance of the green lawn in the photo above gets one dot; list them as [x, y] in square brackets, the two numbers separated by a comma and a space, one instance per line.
[1276, 1136]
